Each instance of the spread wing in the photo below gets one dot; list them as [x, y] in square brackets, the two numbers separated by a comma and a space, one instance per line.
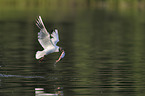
[55, 37]
[43, 35]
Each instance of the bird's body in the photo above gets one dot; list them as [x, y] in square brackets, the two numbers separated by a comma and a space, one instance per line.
[49, 44]
[48, 50]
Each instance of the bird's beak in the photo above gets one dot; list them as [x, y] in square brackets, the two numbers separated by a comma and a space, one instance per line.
[62, 55]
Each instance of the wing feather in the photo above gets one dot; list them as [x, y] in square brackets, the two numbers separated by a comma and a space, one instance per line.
[55, 37]
[43, 35]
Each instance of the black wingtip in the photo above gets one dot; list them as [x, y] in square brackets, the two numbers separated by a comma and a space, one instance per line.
[39, 23]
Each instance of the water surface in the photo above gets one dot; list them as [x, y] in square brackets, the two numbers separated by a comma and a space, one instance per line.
[104, 49]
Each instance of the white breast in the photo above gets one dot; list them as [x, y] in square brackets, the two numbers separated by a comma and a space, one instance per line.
[51, 49]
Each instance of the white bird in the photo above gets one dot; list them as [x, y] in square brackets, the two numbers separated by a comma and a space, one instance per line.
[47, 42]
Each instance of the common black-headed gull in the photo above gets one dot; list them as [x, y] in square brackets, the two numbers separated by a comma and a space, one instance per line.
[48, 42]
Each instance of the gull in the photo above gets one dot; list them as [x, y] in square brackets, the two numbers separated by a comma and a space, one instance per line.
[48, 41]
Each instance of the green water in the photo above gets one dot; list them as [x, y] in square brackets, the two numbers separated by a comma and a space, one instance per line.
[103, 41]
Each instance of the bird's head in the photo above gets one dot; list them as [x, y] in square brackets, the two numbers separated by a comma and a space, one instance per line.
[61, 49]
[63, 53]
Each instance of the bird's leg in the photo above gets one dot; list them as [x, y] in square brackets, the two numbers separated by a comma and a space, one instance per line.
[41, 59]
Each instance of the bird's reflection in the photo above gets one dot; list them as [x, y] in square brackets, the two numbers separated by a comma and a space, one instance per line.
[40, 92]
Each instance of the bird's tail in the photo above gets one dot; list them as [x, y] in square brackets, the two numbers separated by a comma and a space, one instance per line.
[40, 54]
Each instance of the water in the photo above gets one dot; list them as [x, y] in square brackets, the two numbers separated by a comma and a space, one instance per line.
[104, 50]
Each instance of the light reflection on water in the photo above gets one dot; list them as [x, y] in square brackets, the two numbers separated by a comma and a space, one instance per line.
[40, 92]
[104, 55]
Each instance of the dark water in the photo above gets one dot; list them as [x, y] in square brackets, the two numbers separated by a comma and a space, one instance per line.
[105, 51]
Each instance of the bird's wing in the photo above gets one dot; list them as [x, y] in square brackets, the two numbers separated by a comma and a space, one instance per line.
[43, 35]
[55, 37]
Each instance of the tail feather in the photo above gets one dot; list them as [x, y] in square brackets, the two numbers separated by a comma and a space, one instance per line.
[40, 54]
